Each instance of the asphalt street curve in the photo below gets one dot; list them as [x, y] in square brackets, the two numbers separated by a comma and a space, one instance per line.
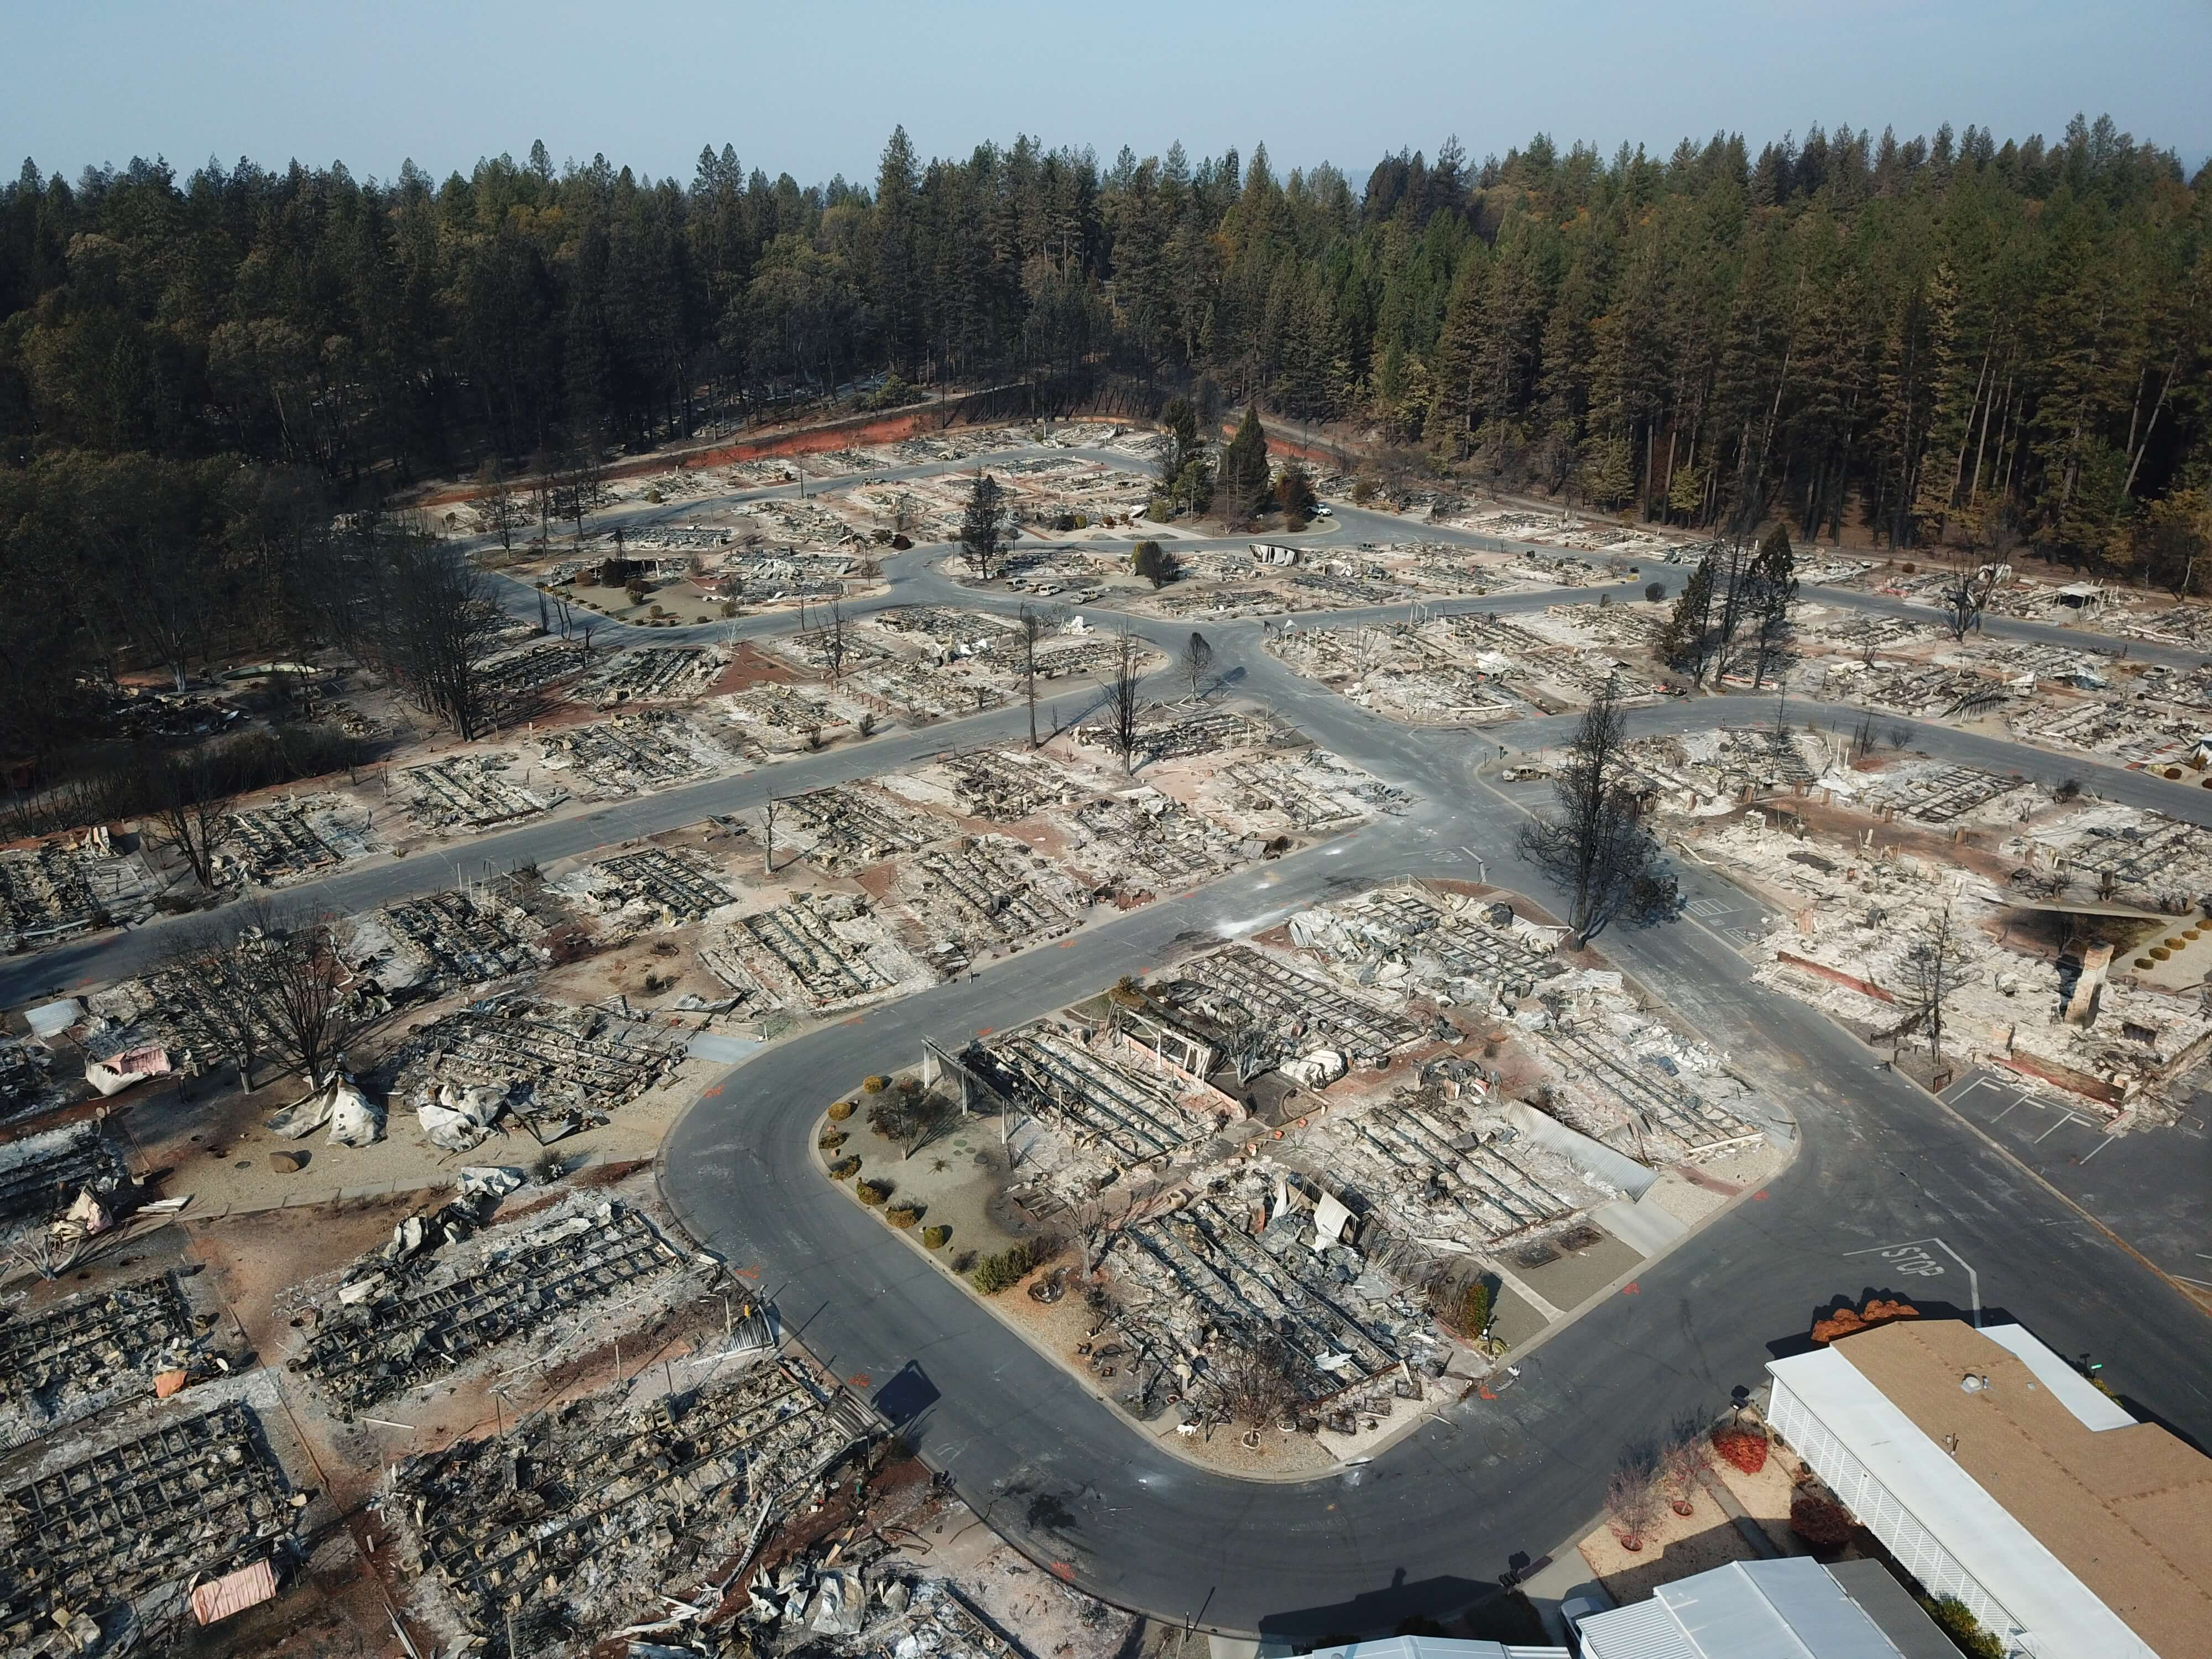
[1430, 1522]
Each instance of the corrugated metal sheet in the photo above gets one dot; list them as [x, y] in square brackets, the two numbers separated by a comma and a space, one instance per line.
[1786, 1609]
[1643, 1630]
[1435, 1647]
[233, 1592]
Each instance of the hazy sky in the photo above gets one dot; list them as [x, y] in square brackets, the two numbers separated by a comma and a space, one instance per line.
[813, 89]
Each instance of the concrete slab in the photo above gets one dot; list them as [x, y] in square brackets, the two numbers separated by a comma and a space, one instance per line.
[1575, 1274]
[721, 1050]
[1647, 1229]
[1513, 1321]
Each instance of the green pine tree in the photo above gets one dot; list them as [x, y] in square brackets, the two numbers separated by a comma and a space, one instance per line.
[1244, 468]
[1685, 643]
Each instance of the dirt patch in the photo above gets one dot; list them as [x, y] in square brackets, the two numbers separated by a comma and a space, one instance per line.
[1676, 1547]
[749, 666]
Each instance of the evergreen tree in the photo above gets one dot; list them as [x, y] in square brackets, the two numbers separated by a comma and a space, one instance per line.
[1772, 581]
[1686, 643]
[985, 526]
[1244, 469]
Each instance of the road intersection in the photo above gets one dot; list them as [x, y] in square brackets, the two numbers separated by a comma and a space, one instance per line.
[1879, 1170]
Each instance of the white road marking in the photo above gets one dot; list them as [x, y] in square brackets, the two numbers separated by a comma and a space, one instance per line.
[1911, 1259]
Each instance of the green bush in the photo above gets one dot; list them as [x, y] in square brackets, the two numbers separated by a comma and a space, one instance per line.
[1005, 1270]
[1956, 1620]
[875, 1085]
[937, 1238]
[842, 1109]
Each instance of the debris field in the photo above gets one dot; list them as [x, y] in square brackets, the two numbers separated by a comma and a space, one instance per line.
[196, 1497]
[575, 1522]
[382, 1336]
[555, 1067]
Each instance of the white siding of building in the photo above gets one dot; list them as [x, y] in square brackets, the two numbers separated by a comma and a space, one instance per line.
[1914, 1545]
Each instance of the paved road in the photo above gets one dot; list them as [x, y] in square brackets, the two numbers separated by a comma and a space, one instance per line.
[1440, 1515]
[2153, 1188]
[1433, 1521]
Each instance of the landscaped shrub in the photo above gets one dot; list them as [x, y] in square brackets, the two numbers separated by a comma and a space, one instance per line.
[1742, 1448]
[875, 1085]
[1844, 1321]
[845, 1168]
[1956, 1620]
[874, 1191]
[832, 1140]
[902, 1216]
[1820, 1521]
[936, 1237]
[842, 1109]
[1005, 1270]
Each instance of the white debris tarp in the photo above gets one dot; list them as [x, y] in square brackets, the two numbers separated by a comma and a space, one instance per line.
[118, 1072]
[840, 1607]
[353, 1120]
[492, 1178]
[458, 1119]
[1331, 1217]
[1317, 1069]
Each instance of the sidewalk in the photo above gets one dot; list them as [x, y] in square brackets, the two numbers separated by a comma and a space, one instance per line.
[1564, 1578]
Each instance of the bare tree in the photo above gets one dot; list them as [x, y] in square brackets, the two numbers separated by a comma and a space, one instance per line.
[767, 838]
[443, 622]
[1595, 844]
[1934, 965]
[1733, 593]
[1631, 1500]
[1122, 702]
[226, 964]
[1197, 659]
[312, 997]
[1684, 1457]
[1032, 627]
[833, 641]
[1254, 1373]
[1965, 594]
[913, 1117]
[191, 816]
[541, 494]
[495, 503]
[1096, 1220]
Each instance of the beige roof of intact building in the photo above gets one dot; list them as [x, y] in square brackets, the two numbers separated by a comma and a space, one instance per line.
[2127, 1509]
